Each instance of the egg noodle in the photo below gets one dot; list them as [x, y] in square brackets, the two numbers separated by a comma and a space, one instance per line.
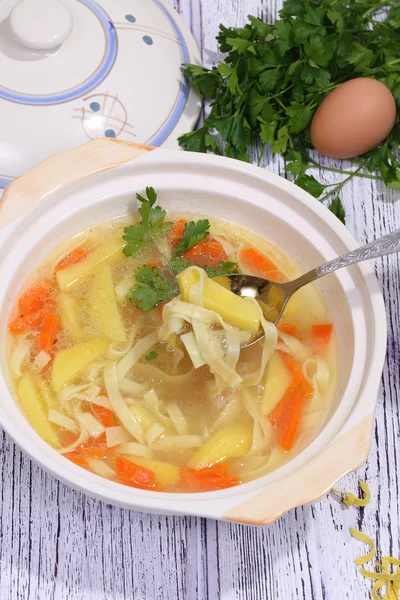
[382, 575]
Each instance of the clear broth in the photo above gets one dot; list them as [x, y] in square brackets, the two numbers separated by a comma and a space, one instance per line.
[175, 381]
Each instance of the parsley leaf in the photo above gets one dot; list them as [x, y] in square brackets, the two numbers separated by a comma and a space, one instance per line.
[296, 163]
[281, 141]
[193, 234]
[136, 236]
[268, 80]
[205, 81]
[142, 234]
[310, 185]
[224, 268]
[179, 264]
[195, 141]
[337, 209]
[151, 356]
[317, 52]
[152, 216]
[299, 117]
[361, 57]
[242, 46]
[152, 287]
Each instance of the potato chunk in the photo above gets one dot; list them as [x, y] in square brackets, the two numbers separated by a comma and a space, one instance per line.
[277, 380]
[69, 317]
[237, 311]
[103, 306]
[69, 364]
[111, 253]
[35, 410]
[227, 443]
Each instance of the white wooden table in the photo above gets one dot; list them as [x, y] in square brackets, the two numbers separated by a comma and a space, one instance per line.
[56, 544]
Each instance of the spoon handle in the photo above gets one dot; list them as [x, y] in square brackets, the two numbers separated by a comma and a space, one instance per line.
[388, 244]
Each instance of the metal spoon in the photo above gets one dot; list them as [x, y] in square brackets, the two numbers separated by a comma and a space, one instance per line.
[274, 297]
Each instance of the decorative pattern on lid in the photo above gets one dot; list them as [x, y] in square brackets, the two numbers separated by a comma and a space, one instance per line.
[113, 71]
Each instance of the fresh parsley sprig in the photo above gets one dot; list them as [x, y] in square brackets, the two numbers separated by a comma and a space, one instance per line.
[192, 235]
[142, 234]
[152, 287]
[276, 75]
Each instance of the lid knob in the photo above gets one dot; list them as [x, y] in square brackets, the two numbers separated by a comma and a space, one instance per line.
[41, 24]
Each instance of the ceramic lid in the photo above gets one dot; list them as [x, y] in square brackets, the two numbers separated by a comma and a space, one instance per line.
[74, 70]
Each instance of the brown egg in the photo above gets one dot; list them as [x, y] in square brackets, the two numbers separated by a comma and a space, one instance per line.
[354, 118]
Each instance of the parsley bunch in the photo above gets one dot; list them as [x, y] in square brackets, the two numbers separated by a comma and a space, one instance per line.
[275, 76]
[155, 285]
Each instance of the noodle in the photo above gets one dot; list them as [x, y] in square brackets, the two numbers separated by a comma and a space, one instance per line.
[352, 500]
[383, 577]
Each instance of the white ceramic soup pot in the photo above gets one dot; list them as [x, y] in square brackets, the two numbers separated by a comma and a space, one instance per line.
[72, 191]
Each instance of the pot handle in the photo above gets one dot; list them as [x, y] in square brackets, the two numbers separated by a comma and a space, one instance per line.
[309, 483]
[64, 169]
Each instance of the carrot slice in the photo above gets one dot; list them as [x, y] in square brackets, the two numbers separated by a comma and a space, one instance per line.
[160, 308]
[104, 415]
[299, 380]
[27, 322]
[94, 448]
[209, 252]
[208, 479]
[35, 298]
[34, 305]
[260, 264]
[72, 259]
[287, 328]
[285, 417]
[219, 470]
[134, 475]
[323, 333]
[67, 438]
[48, 332]
[131, 472]
[279, 410]
[81, 455]
[177, 232]
[155, 264]
[211, 484]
